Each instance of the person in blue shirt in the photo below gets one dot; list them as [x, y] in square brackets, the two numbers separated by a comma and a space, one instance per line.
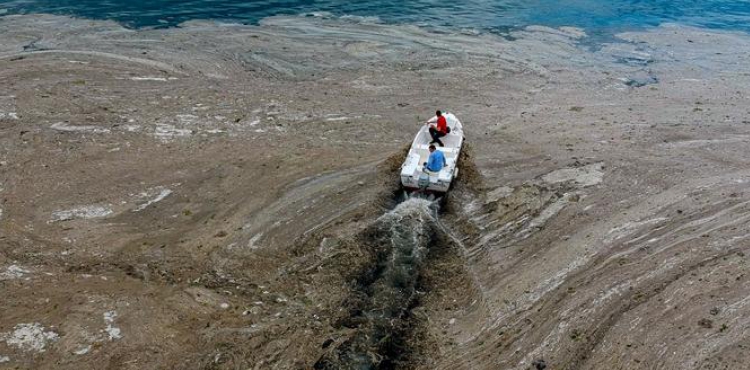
[436, 161]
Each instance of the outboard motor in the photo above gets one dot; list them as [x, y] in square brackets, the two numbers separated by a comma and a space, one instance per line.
[424, 180]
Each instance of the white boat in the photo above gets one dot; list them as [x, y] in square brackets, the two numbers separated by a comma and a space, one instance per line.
[413, 174]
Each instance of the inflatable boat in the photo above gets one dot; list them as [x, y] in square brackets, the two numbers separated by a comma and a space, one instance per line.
[414, 176]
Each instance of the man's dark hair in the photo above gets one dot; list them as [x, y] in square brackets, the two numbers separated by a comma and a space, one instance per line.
[432, 147]
[438, 113]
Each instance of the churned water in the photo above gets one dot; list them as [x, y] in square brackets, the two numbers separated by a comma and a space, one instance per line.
[595, 16]
[387, 291]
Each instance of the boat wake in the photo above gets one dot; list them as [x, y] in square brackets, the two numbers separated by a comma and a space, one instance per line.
[386, 293]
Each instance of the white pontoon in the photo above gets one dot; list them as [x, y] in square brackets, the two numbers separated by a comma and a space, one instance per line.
[413, 174]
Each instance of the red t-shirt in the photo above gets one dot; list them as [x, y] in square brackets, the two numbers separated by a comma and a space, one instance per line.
[442, 124]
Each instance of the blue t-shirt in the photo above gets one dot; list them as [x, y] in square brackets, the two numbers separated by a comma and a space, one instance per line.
[436, 162]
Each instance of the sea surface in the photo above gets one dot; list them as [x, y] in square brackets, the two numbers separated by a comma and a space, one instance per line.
[597, 17]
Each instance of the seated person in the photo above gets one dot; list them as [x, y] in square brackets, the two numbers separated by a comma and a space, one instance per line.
[439, 130]
[436, 161]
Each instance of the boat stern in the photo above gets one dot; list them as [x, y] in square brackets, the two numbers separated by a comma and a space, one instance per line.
[409, 169]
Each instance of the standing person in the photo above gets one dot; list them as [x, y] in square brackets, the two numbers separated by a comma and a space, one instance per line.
[436, 161]
[439, 130]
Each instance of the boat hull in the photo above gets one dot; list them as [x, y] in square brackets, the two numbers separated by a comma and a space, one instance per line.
[413, 174]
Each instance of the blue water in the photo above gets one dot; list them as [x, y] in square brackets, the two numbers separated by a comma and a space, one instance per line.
[595, 16]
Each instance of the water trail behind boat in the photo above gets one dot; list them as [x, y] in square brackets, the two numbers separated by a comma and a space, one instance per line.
[387, 292]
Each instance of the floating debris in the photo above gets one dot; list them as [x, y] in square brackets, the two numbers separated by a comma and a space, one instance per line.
[13, 272]
[62, 126]
[162, 79]
[159, 197]
[83, 350]
[112, 331]
[85, 212]
[29, 337]
[166, 132]
[8, 115]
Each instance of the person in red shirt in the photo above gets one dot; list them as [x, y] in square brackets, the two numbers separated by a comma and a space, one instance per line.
[439, 130]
